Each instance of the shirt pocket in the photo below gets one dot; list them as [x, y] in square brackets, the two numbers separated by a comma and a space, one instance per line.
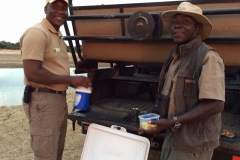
[186, 83]
[42, 141]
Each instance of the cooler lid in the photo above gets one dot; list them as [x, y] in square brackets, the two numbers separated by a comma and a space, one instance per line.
[104, 143]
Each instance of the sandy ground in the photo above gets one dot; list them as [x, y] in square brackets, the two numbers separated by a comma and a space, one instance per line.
[15, 139]
[14, 128]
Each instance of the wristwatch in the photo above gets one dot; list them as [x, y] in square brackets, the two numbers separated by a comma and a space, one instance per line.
[177, 123]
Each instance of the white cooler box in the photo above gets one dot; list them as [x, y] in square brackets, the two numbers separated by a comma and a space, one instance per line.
[105, 143]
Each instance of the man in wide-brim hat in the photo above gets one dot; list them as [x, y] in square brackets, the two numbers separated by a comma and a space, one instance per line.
[191, 91]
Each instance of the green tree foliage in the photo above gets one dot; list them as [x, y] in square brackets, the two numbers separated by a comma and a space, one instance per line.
[9, 45]
[16, 46]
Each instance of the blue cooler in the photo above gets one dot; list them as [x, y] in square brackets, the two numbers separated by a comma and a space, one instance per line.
[81, 100]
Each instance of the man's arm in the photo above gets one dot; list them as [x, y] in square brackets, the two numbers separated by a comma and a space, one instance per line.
[203, 110]
[35, 73]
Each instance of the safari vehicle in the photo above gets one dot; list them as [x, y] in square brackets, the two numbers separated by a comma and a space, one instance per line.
[122, 47]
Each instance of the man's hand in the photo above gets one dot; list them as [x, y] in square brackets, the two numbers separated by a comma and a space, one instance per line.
[161, 125]
[80, 81]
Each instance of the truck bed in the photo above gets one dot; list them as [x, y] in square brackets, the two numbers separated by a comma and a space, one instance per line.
[116, 110]
[232, 123]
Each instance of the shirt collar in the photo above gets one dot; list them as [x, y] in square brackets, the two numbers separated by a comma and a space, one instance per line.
[49, 26]
[185, 48]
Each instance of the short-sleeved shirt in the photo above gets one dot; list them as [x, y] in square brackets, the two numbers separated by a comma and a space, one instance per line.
[211, 82]
[43, 43]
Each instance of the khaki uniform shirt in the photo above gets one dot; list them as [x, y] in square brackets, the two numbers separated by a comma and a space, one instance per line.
[211, 82]
[43, 43]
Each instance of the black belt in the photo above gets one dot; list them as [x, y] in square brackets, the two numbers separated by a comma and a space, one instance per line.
[46, 90]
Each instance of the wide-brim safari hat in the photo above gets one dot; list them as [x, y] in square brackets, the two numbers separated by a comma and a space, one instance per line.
[189, 9]
[51, 1]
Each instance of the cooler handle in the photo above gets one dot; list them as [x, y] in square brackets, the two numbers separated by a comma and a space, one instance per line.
[119, 128]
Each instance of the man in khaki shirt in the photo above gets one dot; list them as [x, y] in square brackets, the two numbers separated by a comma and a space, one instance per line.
[47, 78]
[193, 86]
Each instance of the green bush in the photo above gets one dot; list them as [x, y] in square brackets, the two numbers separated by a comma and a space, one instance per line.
[9, 45]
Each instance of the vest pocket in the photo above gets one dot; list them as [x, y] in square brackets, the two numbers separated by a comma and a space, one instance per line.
[42, 141]
[190, 88]
[186, 83]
